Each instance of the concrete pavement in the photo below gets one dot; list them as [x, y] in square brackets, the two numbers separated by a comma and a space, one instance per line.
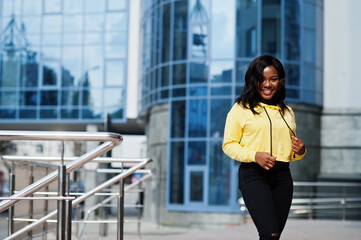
[294, 230]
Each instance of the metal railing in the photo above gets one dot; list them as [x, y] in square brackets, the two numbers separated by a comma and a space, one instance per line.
[124, 163]
[110, 140]
[310, 198]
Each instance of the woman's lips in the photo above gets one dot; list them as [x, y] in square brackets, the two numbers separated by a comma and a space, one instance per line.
[267, 92]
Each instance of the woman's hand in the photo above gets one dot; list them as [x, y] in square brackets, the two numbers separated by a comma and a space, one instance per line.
[298, 146]
[265, 160]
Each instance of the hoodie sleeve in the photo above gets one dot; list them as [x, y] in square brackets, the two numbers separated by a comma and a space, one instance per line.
[233, 132]
[294, 156]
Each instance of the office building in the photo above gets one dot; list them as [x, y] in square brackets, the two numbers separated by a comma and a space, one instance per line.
[195, 54]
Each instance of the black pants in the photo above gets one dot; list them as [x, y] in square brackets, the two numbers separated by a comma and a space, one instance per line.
[267, 195]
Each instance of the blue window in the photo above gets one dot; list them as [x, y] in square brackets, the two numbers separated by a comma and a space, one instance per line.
[197, 118]
[176, 173]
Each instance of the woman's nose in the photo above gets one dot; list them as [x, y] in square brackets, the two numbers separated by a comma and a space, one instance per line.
[266, 83]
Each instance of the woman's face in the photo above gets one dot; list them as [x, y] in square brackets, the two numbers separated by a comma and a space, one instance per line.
[269, 86]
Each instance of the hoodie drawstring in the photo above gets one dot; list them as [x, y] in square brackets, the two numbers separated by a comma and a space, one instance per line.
[270, 123]
[294, 154]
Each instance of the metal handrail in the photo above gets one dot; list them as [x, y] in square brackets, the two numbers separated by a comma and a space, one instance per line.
[69, 159]
[110, 140]
[61, 136]
[110, 198]
[82, 198]
[326, 184]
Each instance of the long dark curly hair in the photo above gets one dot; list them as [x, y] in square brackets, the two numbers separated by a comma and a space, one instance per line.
[254, 77]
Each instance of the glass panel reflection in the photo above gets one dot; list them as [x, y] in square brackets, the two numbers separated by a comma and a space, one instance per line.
[271, 27]
[247, 23]
[178, 119]
[93, 6]
[197, 118]
[32, 24]
[166, 33]
[219, 110]
[93, 62]
[219, 175]
[116, 4]
[116, 21]
[113, 97]
[89, 113]
[72, 38]
[28, 98]
[70, 98]
[197, 153]
[199, 21]
[92, 97]
[71, 70]
[295, 94]
[115, 51]
[116, 38]
[8, 98]
[292, 30]
[29, 75]
[198, 72]
[53, 39]
[176, 173]
[49, 98]
[73, 23]
[10, 70]
[32, 7]
[10, 7]
[196, 187]
[52, 6]
[73, 6]
[94, 22]
[179, 74]
[241, 69]
[7, 113]
[48, 113]
[221, 90]
[50, 73]
[223, 24]
[165, 76]
[198, 91]
[114, 73]
[69, 113]
[180, 30]
[221, 71]
[27, 114]
[179, 92]
[292, 74]
[52, 23]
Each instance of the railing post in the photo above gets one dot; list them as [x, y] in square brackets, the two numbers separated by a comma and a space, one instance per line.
[31, 203]
[61, 217]
[140, 206]
[61, 220]
[69, 212]
[120, 232]
[11, 209]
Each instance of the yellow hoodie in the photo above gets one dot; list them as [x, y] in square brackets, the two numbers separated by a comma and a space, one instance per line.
[246, 133]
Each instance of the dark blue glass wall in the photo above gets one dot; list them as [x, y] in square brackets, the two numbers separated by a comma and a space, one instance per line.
[63, 60]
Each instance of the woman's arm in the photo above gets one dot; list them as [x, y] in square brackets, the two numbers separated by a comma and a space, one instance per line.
[233, 133]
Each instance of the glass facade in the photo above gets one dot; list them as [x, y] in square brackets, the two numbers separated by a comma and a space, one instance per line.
[63, 60]
[195, 54]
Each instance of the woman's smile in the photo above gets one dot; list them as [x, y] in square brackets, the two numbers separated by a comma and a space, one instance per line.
[268, 87]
